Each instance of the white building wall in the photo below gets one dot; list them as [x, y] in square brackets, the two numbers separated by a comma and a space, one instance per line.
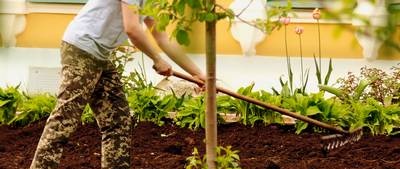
[232, 71]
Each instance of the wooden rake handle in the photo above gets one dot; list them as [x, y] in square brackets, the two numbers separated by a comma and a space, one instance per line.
[265, 105]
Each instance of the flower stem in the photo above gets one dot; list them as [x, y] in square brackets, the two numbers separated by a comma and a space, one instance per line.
[288, 60]
[301, 62]
[319, 48]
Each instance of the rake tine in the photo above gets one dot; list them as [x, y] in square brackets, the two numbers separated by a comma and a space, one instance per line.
[334, 141]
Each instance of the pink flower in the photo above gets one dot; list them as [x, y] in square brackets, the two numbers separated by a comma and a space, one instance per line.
[285, 20]
[299, 30]
[316, 14]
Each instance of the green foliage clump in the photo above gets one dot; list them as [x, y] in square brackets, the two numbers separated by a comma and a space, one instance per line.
[250, 113]
[192, 114]
[226, 158]
[147, 105]
[314, 106]
[33, 108]
[183, 13]
[87, 115]
[383, 87]
[10, 99]
[379, 119]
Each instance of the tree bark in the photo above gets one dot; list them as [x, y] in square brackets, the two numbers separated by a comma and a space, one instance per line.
[211, 90]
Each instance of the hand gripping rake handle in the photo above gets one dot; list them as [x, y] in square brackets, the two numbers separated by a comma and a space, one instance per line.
[265, 105]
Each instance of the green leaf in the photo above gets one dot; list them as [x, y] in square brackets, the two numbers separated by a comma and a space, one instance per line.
[185, 114]
[202, 119]
[360, 88]
[300, 126]
[313, 110]
[193, 3]
[210, 17]
[275, 91]
[163, 21]
[285, 92]
[180, 7]
[182, 37]
[305, 83]
[328, 74]
[4, 102]
[335, 91]
[317, 70]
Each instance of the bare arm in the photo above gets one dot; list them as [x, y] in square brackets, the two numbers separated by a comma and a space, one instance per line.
[137, 35]
[174, 50]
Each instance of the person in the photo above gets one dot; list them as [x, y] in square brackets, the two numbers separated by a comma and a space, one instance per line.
[88, 76]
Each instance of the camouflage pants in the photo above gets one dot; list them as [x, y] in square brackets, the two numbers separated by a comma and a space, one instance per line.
[87, 80]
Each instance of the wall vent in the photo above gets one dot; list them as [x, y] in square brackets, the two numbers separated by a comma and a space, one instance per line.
[43, 79]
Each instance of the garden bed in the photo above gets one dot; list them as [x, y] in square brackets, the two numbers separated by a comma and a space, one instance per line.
[167, 147]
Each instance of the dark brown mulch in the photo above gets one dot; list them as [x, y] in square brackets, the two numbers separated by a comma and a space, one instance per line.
[167, 147]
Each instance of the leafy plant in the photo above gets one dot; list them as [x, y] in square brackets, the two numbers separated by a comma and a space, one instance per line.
[318, 68]
[331, 111]
[195, 161]
[304, 105]
[383, 87]
[365, 112]
[10, 98]
[147, 105]
[354, 95]
[250, 113]
[243, 107]
[376, 117]
[192, 114]
[224, 104]
[121, 56]
[271, 23]
[34, 108]
[226, 158]
[285, 20]
[287, 86]
[87, 115]
[134, 80]
[183, 13]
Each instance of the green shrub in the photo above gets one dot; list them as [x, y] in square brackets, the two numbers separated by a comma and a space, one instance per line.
[34, 108]
[10, 98]
[87, 115]
[226, 159]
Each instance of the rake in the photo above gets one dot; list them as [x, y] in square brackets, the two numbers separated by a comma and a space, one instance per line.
[329, 142]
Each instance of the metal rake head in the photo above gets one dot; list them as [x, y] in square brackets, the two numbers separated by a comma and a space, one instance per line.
[334, 141]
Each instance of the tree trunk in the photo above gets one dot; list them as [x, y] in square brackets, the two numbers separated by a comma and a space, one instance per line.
[211, 109]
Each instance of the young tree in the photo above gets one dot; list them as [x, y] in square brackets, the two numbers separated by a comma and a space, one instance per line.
[183, 13]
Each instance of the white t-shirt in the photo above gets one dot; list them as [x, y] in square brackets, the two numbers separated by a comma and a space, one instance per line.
[98, 27]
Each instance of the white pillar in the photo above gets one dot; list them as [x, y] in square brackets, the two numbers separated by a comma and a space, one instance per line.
[12, 20]
[376, 13]
[248, 36]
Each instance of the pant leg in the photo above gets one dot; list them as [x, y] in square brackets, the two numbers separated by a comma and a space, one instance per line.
[80, 74]
[111, 111]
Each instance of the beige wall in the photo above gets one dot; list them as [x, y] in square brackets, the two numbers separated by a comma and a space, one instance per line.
[45, 31]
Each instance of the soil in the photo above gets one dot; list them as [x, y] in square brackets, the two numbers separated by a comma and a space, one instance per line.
[167, 147]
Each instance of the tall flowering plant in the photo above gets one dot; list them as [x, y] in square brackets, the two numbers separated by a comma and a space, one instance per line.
[318, 65]
[285, 21]
[304, 76]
